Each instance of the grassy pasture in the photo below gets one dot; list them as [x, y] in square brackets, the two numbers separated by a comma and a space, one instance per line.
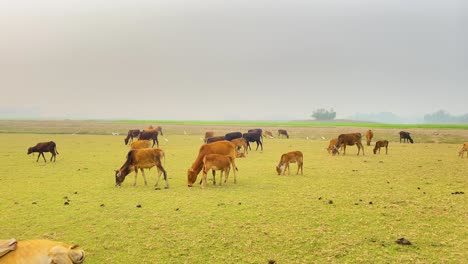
[376, 199]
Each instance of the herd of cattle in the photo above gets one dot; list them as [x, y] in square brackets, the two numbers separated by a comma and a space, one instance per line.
[218, 153]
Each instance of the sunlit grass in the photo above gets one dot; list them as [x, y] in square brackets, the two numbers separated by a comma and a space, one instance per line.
[344, 209]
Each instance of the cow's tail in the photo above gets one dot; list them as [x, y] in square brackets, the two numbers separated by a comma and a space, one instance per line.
[56, 151]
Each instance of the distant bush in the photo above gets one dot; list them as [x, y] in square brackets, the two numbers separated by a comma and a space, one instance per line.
[443, 116]
[323, 114]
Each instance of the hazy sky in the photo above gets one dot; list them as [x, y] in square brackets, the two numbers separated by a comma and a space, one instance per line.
[242, 59]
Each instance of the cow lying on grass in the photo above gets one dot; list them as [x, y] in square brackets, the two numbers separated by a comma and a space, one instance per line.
[216, 162]
[141, 159]
[290, 157]
[39, 252]
[379, 144]
[44, 147]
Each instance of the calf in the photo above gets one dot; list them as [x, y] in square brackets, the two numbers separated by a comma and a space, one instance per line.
[268, 134]
[290, 157]
[41, 252]
[283, 132]
[253, 137]
[379, 144]
[369, 136]
[406, 137]
[141, 159]
[232, 135]
[331, 146]
[350, 140]
[240, 143]
[464, 149]
[214, 139]
[139, 144]
[44, 147]
[216, 162]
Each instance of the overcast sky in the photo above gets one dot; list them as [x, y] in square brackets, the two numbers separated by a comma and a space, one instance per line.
[242, 59]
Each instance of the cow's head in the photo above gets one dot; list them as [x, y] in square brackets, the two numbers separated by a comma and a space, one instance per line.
[335, 151]
[61, 254]
[191, 177]
[375, 150]
[126, 140]
[278, 169]
[30, 150]
[119, 178]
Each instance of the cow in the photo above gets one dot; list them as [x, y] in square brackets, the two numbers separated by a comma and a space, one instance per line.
[158, 128]
[232, 135]
[220, 147]
[240, 143]
[464, 149]
[208, 134]
[350, 140]
[139, 144]
[283, 132]
[142, 159]
[44, 147]
[150, 134]
[133, 133]
[290, 157]
[369, 136]
[253, 137]
[214, 139]
[406, 137]
[331, 146]
[216, 162]
[379, 144]
[268, 134]
[258, 130]
[40, 251]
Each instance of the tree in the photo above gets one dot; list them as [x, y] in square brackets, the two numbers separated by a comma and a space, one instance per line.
[323, 114]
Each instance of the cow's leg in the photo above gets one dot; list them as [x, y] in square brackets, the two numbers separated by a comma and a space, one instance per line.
[38, 156]
[261, 145]
[344, 149]
[144, 177]
[221, 173]
[160, 168]
[136, 175]
[203, 179]
[226, 174]
[234, 169]
[157, 142]
[214, 177]
[43, 156]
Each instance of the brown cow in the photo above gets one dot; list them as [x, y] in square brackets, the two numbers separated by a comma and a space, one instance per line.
[216, 162]
[141, 159]
[158, 128]
[464, 149]
[139, 144]
[331, 145]
[290, 157]
[219, 147]
[40, 252]
[44, 147]
[240, 143]
[369, 136]
[133, 133]
[350, 140]
[283, 132]
[208, 134]
[268, 134]
[379, 144]
[150, 134]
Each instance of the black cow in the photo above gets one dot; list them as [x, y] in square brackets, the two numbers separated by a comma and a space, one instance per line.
[232, 135]
[44, 147]
[258, 130]
[214, 139]
[406, 137]
[150, 135]
[283, 132]
[133, 133]
[253, 137]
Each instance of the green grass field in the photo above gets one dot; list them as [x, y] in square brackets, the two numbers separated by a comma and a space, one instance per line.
[376, 199]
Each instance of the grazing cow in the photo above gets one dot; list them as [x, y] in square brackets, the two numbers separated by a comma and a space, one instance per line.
[141, 159]
[133, 133]
[150, 135]
[464, 149]
[214, 139]
[40, 252]
[268, 134]
[290, 157]
[240, 143]
[379, 144]
[220, 147]
[283, 132]
[253, 137]
[158, 128]
[331, 146]
[232, 135]
[406, 137]
[44, 147]
[140, 144]
[369, 136]
[216, 162]
[350, 140]
[208, 134]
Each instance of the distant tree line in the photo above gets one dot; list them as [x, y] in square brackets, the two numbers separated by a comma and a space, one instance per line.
[443, 116]
[323, 114]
